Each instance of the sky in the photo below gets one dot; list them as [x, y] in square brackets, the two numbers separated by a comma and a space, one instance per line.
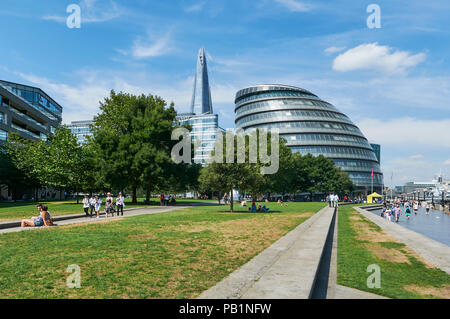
[392, 81]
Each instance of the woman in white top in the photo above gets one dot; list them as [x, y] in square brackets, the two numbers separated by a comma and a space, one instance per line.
[98, 205]
[86, 205]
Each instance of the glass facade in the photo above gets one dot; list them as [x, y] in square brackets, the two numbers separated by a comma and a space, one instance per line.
[27, 111]
[81, 129]
[311, 125]
[201, 96]
[205, 129]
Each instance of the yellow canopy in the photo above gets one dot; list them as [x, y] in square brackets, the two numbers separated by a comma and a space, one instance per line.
[372, 196]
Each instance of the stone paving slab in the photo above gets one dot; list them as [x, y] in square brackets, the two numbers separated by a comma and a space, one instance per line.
[83, 219]
[435, 252]
[286, 269]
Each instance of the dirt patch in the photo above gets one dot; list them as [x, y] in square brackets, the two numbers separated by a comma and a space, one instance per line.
[390, 254]
[374, 237]
[443, 292]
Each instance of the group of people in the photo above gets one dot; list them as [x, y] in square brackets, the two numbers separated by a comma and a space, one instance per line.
[254, 208]
[166, 199]
[393, 211]
[94, 204]
[333, 200]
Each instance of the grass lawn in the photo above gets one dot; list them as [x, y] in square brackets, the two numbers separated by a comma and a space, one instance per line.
[170, 255]
[20, 210]
[404, 274]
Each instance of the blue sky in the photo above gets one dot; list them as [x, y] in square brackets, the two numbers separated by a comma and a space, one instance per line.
[394, 82]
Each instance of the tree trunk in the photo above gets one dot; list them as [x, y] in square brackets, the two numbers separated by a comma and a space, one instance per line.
[134, 201]
[147, 194]
[231, 201]
[78, 201]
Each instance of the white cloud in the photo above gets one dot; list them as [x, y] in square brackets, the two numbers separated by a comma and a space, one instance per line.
[417, 156]
[195, 7]
[447, 162]
[295, 6]
[333, 49]
[372, 56]
[399, 132]
[143, 49]
[92, 11]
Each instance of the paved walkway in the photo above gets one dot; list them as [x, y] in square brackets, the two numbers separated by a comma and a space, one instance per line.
[81, 220]
[287, 269]
[435, 252]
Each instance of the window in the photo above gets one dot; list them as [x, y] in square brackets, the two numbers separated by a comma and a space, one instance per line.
[3, 135]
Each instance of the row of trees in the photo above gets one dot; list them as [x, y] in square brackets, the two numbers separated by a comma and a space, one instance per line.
[296, 174]
[130, 149]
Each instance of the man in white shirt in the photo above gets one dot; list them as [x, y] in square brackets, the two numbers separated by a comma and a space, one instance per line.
[336, 200]
[92, 202]
[120, 204]
[86, 205]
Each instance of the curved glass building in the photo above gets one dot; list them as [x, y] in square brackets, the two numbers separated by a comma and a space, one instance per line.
[310, 125]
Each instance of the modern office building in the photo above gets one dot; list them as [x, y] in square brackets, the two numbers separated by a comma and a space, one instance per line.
[205, 124]
[30, 113]
[310, 125]
[81, 129]
[27, 111]
[377, 149]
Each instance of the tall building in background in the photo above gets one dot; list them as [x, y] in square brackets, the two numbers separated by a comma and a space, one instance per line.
[201, 96]
[81, 129]
[27, 111]
[205, 124]
[311, 125]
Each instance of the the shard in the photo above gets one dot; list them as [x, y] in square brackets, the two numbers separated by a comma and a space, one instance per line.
[201, 97]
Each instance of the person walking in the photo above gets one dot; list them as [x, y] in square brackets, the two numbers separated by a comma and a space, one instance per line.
[86, 205]
[92, 202]
[408, 212]
[336, 200]
[388, 214]
[397, 213]
[161, 199]
[120, 204]
[416, 208]
[98, 205]
[329, 200]
[166, 199]
[427, 208]
[109, 205]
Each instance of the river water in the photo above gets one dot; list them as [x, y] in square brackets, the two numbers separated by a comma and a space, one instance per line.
[435, 225]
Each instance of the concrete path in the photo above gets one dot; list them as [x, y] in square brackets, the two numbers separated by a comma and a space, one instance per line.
[435, 252]
[287, 269]
[83, 219]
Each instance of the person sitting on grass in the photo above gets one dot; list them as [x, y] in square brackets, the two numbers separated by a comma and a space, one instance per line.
[265, 209]
[253, 207]
[44, 219]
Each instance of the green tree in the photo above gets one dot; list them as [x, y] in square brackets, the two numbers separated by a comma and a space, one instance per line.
[132, 138]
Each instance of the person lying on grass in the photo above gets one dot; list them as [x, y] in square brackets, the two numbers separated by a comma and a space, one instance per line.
[44, 219]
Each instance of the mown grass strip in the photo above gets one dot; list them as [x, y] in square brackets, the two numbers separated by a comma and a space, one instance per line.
[403, 274]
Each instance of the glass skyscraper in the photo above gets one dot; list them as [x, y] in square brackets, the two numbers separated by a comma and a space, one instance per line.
[27, 111]
[205, 124]
[81, 129]
[310, 125]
